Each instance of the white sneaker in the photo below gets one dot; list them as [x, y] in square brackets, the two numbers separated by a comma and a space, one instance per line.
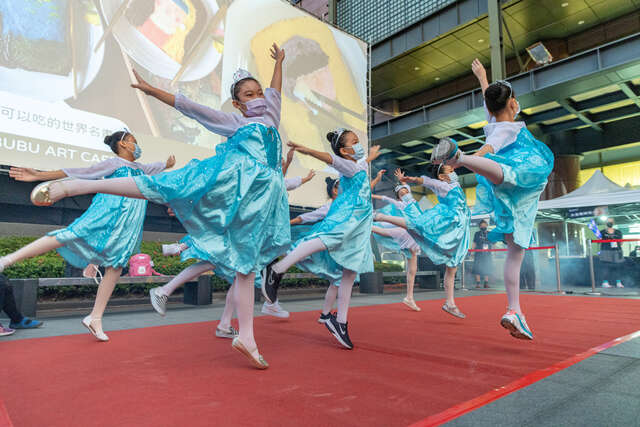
[619, 284]
[173, 249]
[158, 301]
[606, 285]
[516, 325]
[274, 310]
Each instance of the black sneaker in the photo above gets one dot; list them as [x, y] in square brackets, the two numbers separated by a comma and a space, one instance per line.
[324, 318]
[339, 331]
[270, 283]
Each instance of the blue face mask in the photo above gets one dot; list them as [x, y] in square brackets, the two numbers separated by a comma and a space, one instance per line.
[358, 151]
[137, 152]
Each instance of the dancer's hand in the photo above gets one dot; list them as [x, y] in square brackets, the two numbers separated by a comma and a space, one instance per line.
[399, 174]
[380, 173]
[142, 84]
[24, 174]
[171, 161]
[480, 73]
[277, 53]
[309, 177]
[293, 146]
[374, 153]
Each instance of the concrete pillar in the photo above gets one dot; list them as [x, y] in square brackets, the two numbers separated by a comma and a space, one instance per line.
[495, 41]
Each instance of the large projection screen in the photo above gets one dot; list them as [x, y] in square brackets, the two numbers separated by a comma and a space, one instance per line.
[62, 90]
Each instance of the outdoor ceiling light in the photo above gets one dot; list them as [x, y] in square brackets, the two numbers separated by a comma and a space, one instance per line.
[539, 53]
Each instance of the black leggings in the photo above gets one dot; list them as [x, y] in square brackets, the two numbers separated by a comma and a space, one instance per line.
[8, 301]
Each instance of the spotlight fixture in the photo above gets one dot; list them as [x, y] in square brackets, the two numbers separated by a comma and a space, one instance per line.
[565, 4]
[480, 40]
[437, 78]
[416, 68]
[580, 22]
[539, 53]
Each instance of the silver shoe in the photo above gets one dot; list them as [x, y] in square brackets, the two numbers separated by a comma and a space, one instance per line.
[230, 333]
[158, 301]
[453, 310]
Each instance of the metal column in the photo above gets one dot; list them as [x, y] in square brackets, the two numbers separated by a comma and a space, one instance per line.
[333, 12]
[498, 67]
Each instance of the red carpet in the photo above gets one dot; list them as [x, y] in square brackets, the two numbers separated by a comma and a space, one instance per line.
[406, 366]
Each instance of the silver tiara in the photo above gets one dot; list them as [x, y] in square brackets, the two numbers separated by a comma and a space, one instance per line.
[338, 133]
[241, 74]
[400, 187]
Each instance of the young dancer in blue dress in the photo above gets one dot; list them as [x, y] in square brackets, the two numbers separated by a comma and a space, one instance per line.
[224, 329]
[345, 233]
[442, 231]
[110, 230]
[234, 204]
[512, 168]
[398, 239]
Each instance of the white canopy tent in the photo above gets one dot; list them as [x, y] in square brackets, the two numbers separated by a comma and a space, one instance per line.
[597, 191]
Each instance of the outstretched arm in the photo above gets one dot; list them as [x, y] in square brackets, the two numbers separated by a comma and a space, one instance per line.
[407, 179]
[480, 73]
[377, 179]
[32, 175]
[374, 152]
[287, 162]
[278, 55]
[320, 155]
[486, 148]
[161, 95]
[309, 177]
[381, 231]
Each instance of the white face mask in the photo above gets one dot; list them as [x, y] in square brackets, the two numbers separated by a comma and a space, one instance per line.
[453, 177]
[517, 112]
[358, 151]
[407, 198]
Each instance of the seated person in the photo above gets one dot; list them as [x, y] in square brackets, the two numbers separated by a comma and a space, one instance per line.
[8, 305]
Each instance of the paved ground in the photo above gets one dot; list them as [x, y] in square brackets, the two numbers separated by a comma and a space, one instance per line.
[603, 390]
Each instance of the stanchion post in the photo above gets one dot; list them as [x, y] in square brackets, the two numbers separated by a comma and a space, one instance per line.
[463, 275]
[591, 269]
[558, 268]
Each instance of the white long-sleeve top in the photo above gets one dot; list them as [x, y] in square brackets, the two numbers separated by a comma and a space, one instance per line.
[109, 166]
[293, 183]
[347, 167]
[500, 134]
[397, 203]
[226, 124]
[440, 188]
[315, 215]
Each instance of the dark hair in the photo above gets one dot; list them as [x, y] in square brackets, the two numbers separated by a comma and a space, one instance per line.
[113, 140]
[433, 170]
[496, 96]
[330, 184]
[336, 139]
[484, 221]
[238, 85]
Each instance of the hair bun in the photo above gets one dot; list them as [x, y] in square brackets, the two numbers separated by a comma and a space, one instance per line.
[328, 180]
[107, 140]
[330, 136]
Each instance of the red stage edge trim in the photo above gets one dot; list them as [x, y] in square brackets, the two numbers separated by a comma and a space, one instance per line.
[475, 403]
[5, 421]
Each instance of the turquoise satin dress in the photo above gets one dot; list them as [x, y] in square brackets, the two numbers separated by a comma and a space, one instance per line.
[345, 231]
[442, 232]
[108, 233]
[233, 205]
[387, 241]
[526, 163]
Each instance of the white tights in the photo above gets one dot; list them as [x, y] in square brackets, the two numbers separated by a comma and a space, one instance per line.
[301, 252]
[515, 254]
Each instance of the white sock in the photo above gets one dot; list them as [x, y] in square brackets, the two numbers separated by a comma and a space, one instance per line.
[330, 299]
[303, 250]
[344, 294]
[185, 276]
